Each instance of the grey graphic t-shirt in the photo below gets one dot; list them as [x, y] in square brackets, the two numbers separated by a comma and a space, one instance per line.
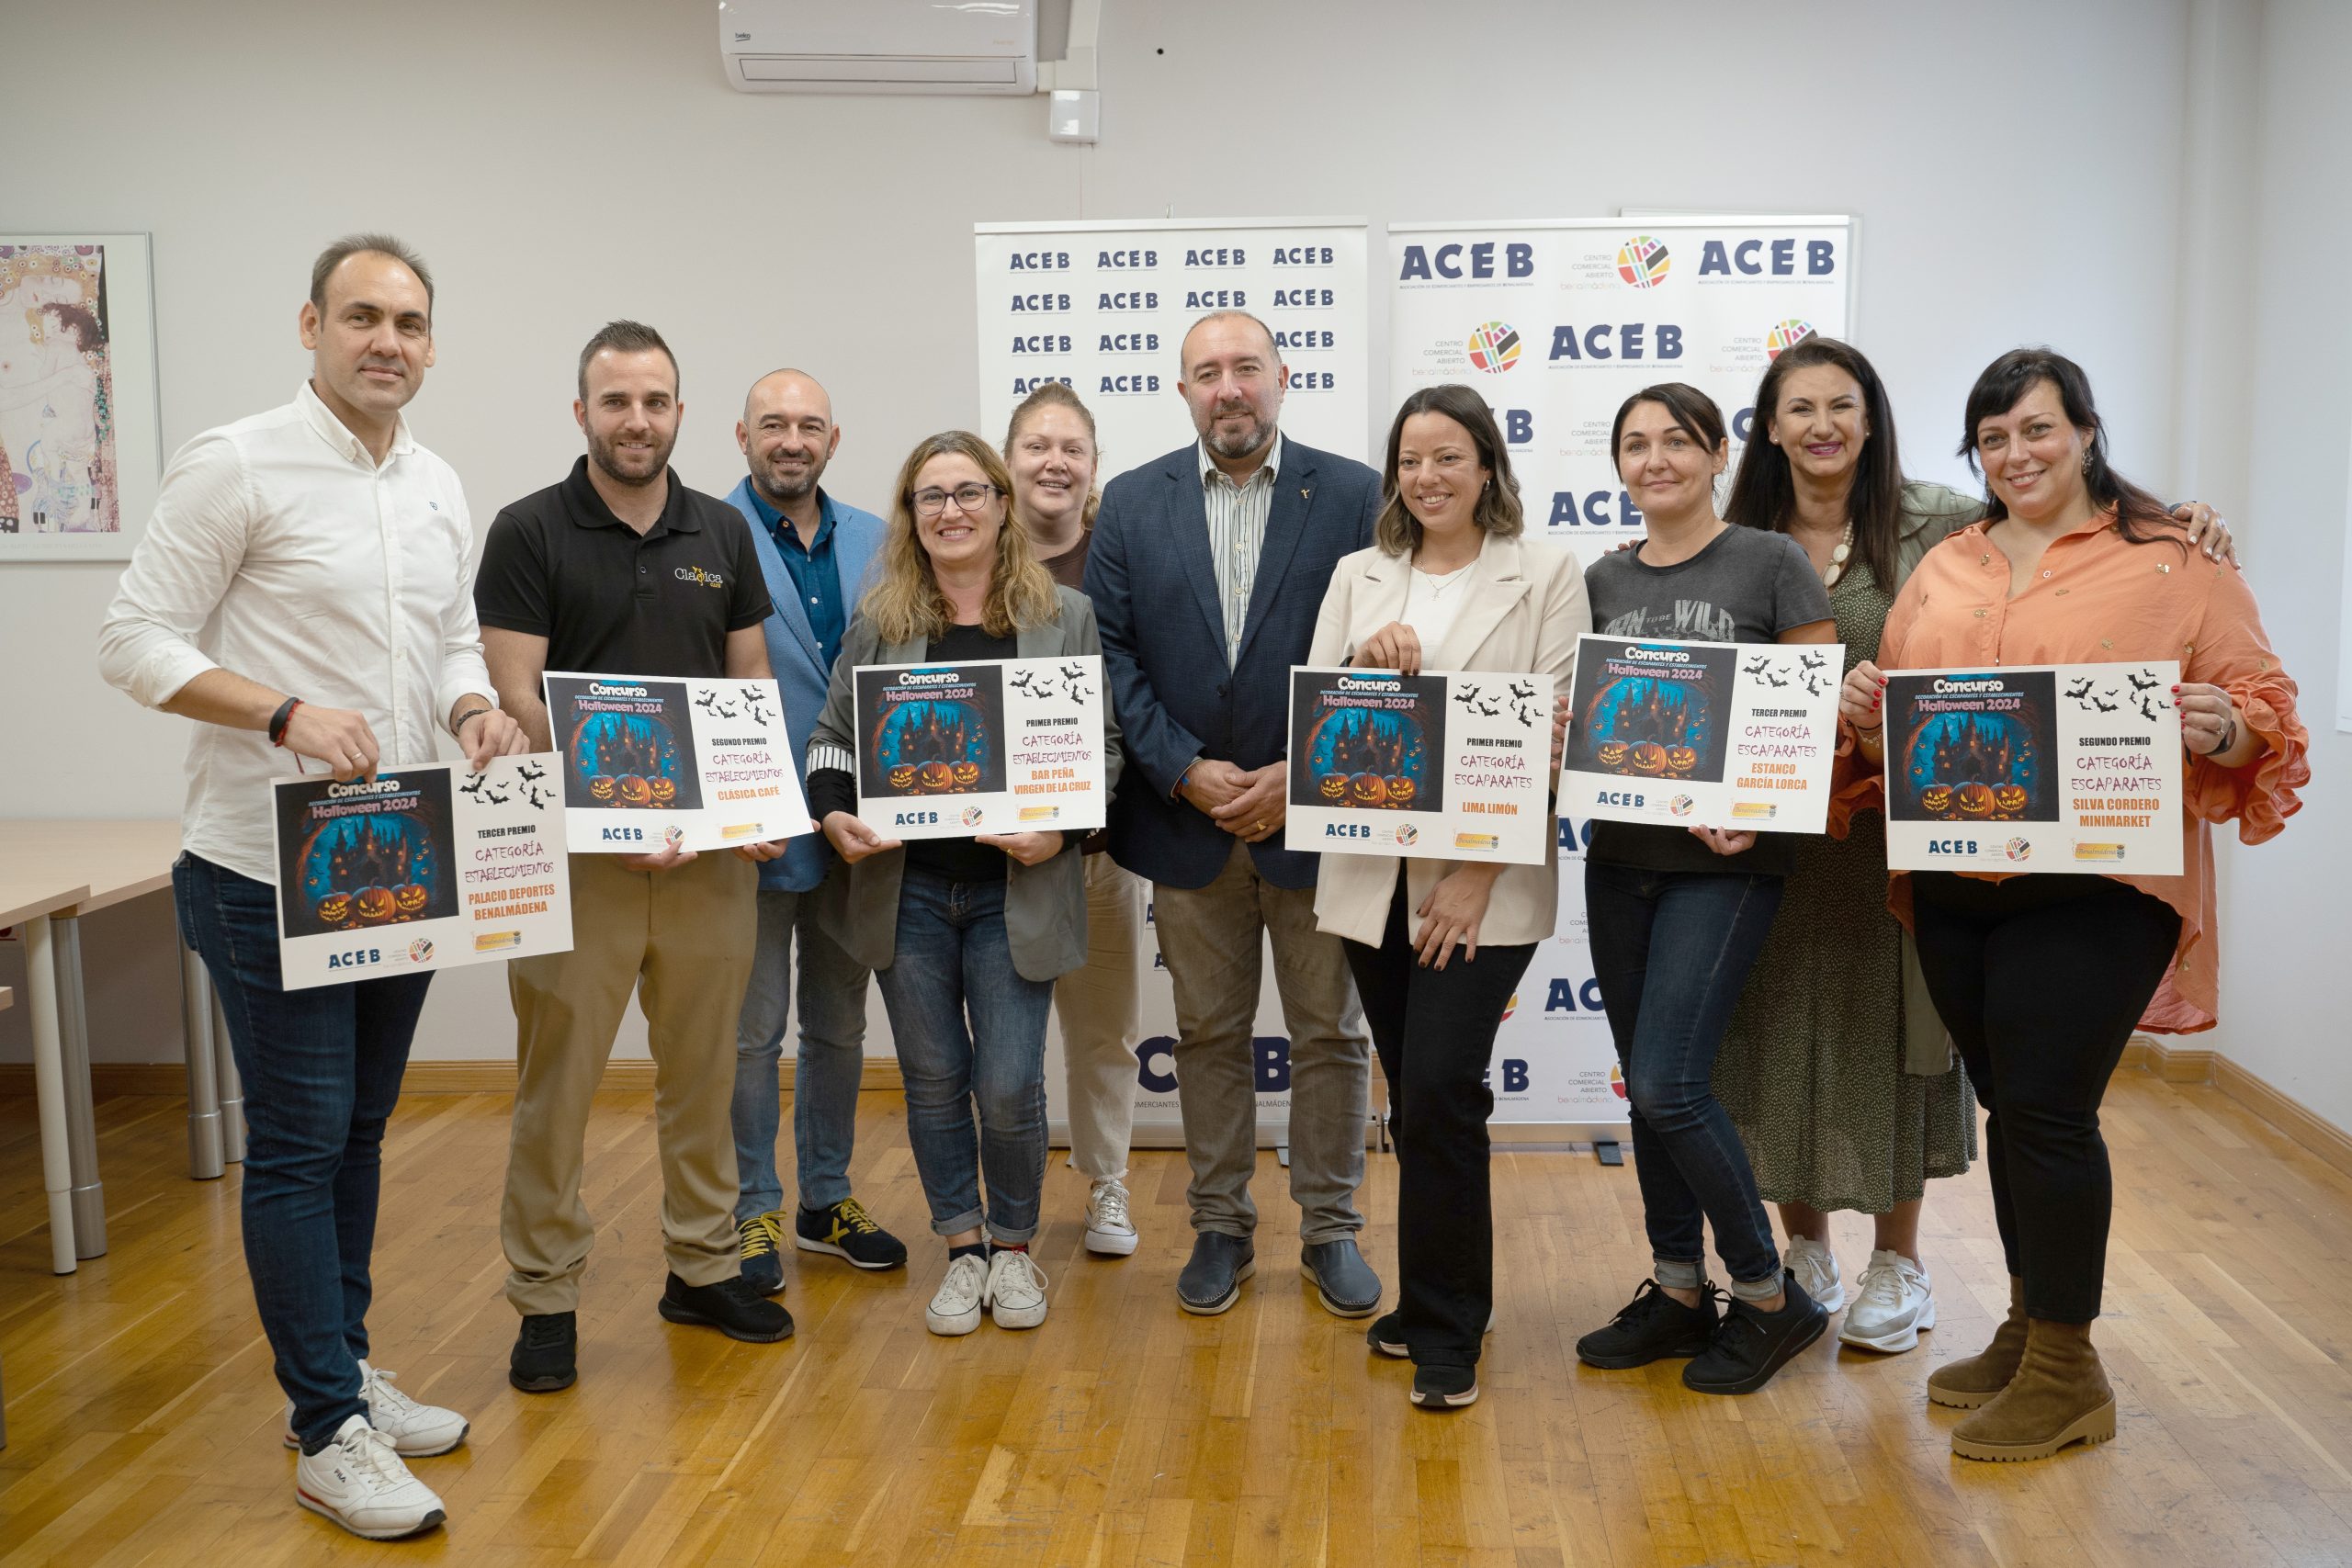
[1745, 586]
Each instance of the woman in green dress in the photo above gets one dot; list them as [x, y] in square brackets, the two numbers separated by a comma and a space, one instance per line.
[1836, 1072]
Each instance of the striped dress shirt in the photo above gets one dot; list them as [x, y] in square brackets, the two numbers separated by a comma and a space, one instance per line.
[1237, 515]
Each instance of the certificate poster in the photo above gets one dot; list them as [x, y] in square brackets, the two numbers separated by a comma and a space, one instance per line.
[2064, 767]
[427, 868]
[990, 746]
[647, 761]
[1702, 734]
[1441, 767]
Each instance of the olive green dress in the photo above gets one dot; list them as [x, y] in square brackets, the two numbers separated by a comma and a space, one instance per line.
[1813, 1068]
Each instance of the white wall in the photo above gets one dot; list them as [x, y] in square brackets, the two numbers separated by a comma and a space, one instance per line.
[2017, 166]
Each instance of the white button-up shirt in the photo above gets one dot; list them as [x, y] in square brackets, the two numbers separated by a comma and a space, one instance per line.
[1237, 517]
[280, 550]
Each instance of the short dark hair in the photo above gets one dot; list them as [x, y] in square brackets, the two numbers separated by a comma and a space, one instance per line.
[1693, 410]
[625, 337]
[1398, 531]
[2140, 517]
[352, 245]
[1763, 493]
[87, 333]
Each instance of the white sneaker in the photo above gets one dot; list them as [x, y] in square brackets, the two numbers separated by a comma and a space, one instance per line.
[1816, 1268]
[1892, 1301]
[359, 1483]
[956, 1309]
[1108, 1231]
[1016, 1290]
[417, 1431]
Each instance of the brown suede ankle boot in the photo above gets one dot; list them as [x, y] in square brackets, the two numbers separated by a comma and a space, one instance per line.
[2060, 1395]
[1964, 1385]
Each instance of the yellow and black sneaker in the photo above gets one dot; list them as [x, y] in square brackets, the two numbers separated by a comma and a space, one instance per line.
[846, 1230]
[760, 1236]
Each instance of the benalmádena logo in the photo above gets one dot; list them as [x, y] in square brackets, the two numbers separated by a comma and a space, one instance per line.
[1494, 346]
[1642, 261]
[1785, 335]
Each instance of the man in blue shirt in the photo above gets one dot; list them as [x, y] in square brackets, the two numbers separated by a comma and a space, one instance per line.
[815, 551]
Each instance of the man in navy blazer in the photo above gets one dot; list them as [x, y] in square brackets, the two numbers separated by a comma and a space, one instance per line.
[1207, 571]
[815, 551]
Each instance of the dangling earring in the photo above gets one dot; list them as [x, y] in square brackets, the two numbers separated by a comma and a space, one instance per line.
[2086, 459]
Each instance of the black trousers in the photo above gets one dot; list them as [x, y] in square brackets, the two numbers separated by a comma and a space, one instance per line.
[2041, 980]
[1435, 1032]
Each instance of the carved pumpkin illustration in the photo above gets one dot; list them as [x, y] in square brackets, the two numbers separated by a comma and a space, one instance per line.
[1612, 753]
[1401, 791]
[375, 903]
[1649, 756]
[1976, 799]
[633, 790]
[968, 774]
[1331, 786]
[902, 776]
[1367, 789]
[665, 791]
[600, 787]
[1936, 798]
[2009, 797]
[335, 909]
[935, 775]
[1681, 759]
[408, 898]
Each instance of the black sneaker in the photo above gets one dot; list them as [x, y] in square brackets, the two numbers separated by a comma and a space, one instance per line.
[1750, 1345]
[1444, 1388]
[1386, 1334]
[733, 1306]
[846, 1230]
[756, 1241]
[546, 1353]
[1651, 1327]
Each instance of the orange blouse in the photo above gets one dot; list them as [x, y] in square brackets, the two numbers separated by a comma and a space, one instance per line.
[2098, 597]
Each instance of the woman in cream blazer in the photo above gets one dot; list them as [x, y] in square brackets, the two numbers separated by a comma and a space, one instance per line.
[1436, 947]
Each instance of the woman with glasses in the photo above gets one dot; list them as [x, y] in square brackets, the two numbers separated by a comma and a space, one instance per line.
[966, 935]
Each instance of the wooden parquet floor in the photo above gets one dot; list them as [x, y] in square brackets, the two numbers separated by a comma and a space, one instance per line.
[144, 1422]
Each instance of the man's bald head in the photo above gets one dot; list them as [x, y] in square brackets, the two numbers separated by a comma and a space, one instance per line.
[788, 435]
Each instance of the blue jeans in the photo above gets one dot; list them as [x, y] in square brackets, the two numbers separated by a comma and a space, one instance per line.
[1672, 951]
[830, 1065]
[322, 1069]
[971, 1036]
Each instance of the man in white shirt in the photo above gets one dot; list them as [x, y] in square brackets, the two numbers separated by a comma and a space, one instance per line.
[303, 592]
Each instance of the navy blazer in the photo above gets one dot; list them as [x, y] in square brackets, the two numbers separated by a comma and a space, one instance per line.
[1163, 645]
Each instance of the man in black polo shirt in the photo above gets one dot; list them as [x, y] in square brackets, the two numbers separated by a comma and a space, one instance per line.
[623, 571]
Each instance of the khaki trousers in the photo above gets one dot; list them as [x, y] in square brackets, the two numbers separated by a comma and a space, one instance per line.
[687, 934]
[1100, 1007]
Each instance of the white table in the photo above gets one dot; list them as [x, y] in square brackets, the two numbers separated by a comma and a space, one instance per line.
[30, 898]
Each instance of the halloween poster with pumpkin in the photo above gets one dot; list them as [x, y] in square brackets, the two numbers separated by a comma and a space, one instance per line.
[705, 762]
[1446, 767]
[2066, 768]
[990, 746]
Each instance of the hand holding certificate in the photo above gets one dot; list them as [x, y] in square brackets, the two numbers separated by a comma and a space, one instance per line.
[991, 745]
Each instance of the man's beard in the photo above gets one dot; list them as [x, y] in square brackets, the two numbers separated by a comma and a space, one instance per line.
[608, 461]
[788, 490]
[1231, 448]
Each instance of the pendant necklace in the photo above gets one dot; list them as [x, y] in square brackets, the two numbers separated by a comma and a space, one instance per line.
[1837, 556]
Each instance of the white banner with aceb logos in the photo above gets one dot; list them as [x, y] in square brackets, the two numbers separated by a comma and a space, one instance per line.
[1103, 308]
[1557, 323]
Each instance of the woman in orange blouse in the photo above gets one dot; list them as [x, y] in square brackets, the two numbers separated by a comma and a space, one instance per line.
[2041, 978]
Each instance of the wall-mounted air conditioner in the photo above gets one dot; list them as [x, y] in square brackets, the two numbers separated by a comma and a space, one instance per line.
[879, 46]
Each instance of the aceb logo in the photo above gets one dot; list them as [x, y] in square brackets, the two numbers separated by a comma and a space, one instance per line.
[1494, 346]
[1785, 336]
[1642, 261]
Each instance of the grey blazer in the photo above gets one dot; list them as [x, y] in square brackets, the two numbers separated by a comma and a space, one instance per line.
[1045, 904]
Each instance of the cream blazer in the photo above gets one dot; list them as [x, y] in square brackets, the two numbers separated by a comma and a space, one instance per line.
[1524, 607]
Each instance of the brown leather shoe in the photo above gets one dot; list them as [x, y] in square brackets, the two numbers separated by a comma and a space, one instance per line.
[2060, 1395]
[1964, 1385]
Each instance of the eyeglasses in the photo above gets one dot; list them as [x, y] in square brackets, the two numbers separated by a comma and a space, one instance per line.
[967, 499]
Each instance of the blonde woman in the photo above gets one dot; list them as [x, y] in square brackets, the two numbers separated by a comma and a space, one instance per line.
[966, 936]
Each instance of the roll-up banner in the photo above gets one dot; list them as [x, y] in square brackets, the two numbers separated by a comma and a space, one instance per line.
[1103, 308]
[1557, 322]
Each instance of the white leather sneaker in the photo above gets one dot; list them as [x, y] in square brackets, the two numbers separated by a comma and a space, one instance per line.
[1016, 1290]
[956, 1309]
[1894, 1299]
[1815, 1267]
[417, 1431]
[1108, 1231]
[359, 1483]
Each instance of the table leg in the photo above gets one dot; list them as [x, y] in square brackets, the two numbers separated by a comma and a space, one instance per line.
[203, 1083]
[233, 1090]
[48, 1089]
[87, 1194]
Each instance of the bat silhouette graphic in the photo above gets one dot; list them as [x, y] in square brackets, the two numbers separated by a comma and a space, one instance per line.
[2080, 689]
[1755, 668]
[2140, 685]
[528, 773]
[2105, 707]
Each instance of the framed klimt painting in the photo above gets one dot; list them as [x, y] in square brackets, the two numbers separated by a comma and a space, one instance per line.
[81, 454]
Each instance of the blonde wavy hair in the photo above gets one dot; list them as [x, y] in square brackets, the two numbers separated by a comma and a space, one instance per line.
[905, 604]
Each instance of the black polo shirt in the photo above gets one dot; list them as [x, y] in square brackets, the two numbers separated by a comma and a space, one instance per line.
[557, 564]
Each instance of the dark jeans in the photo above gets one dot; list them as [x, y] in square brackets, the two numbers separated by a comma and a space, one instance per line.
[970, 1031]
[322, 1069]
[2041, 980]
[1435, 1032]
[1671, 950]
